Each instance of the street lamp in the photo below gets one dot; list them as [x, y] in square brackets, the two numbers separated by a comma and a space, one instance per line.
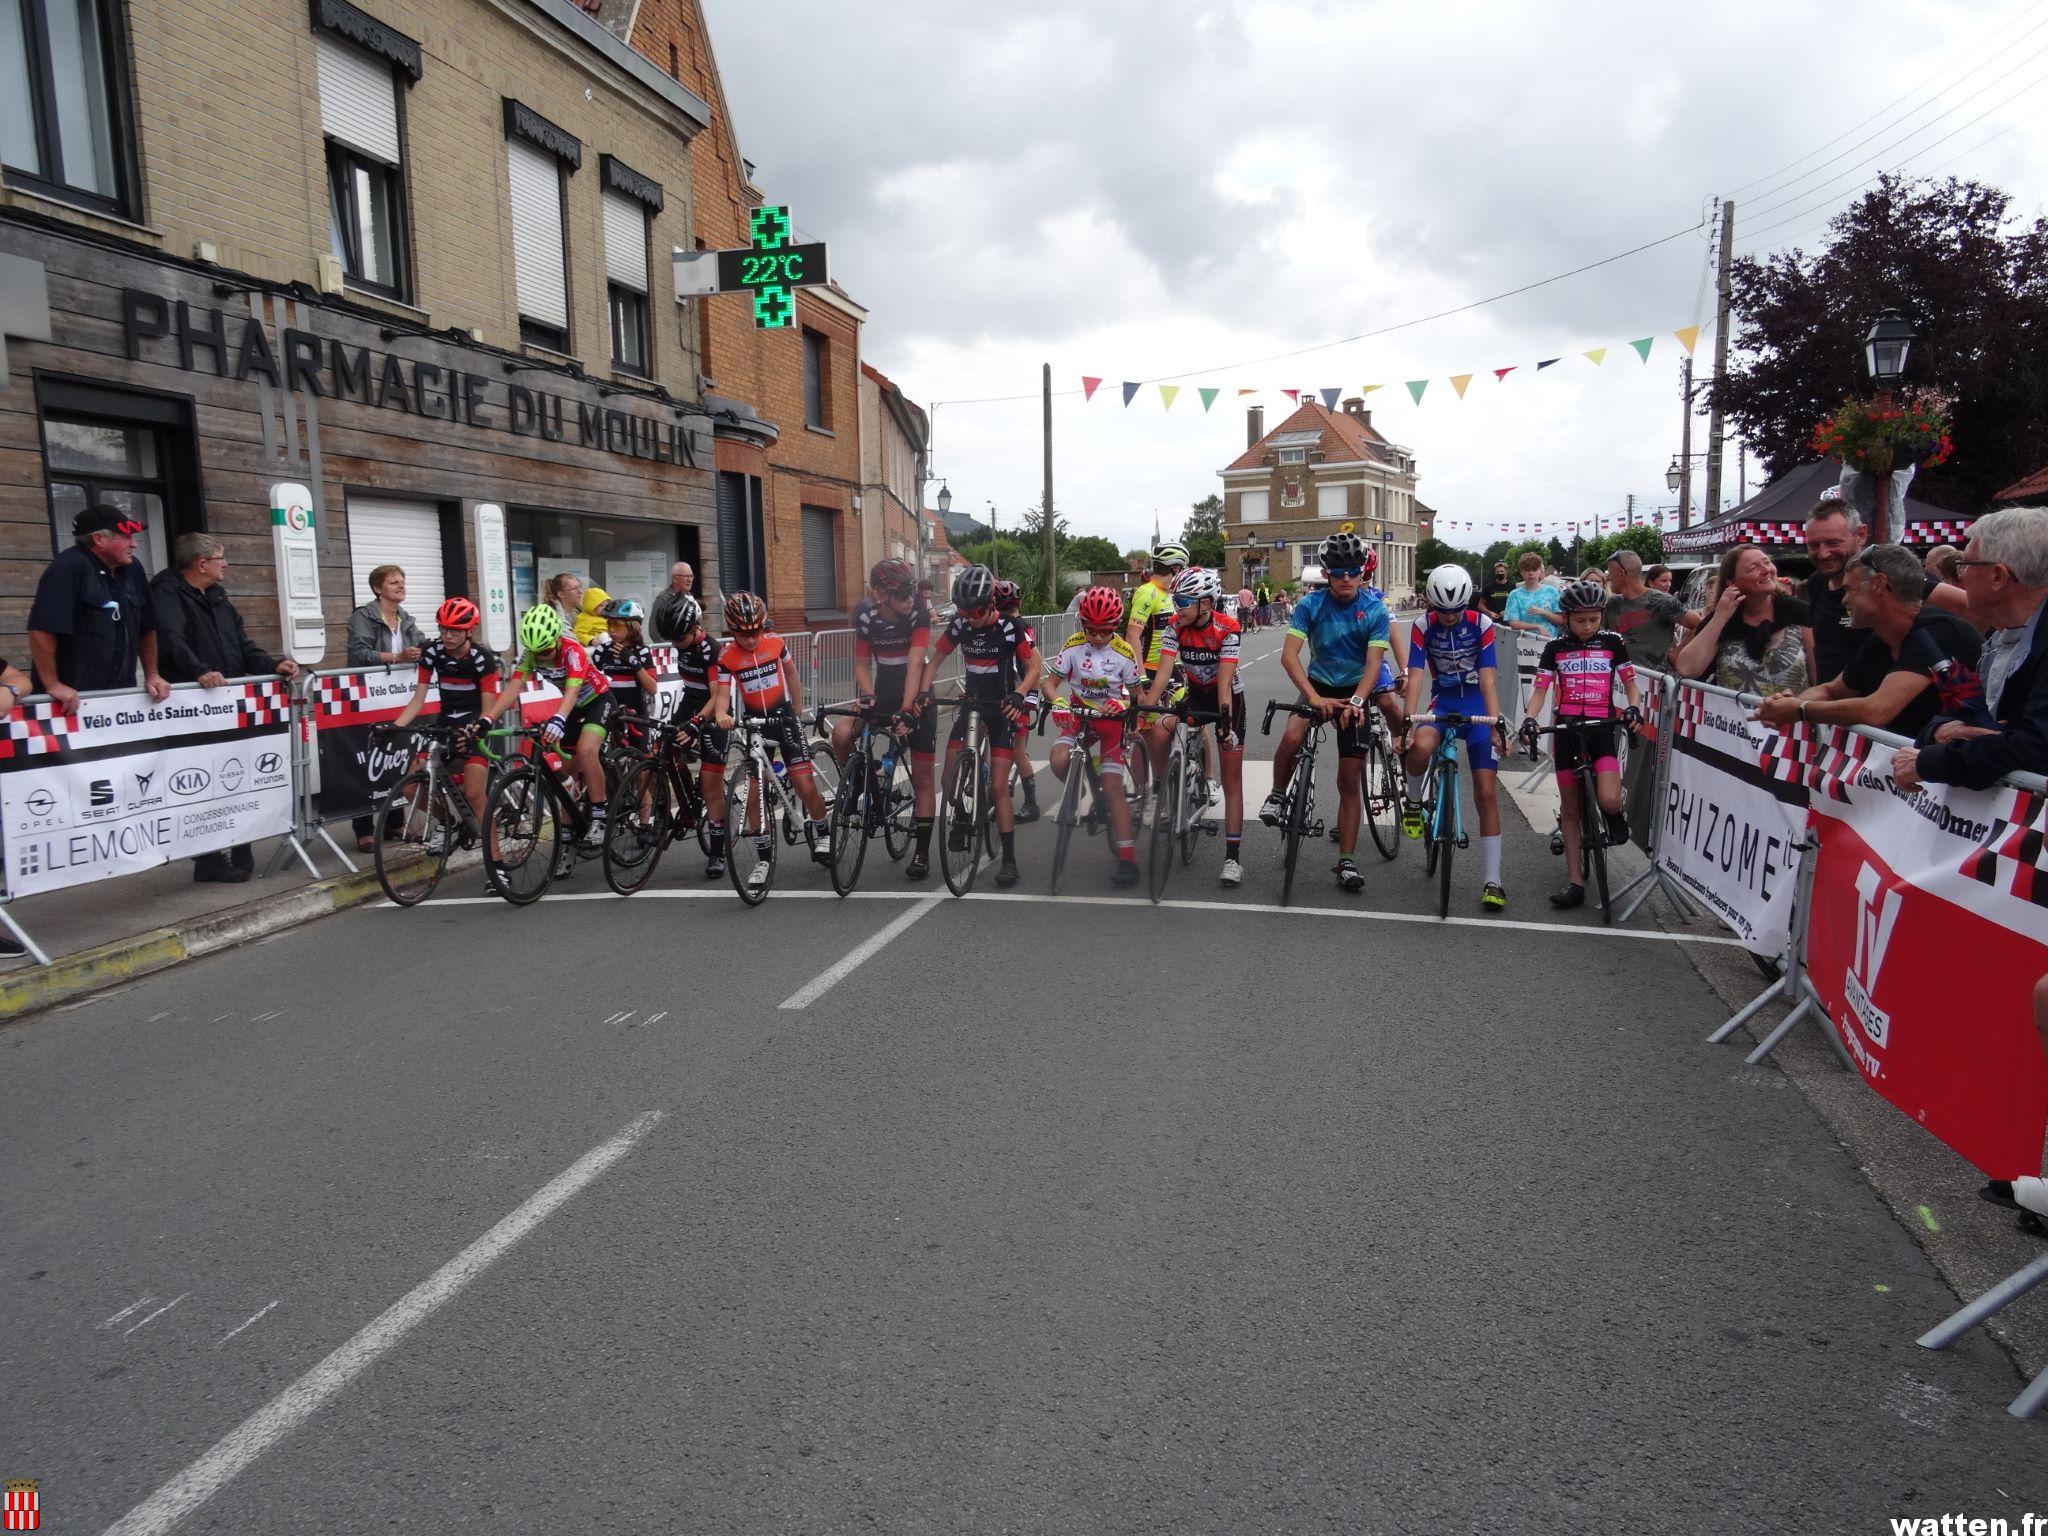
[1673, 475]
[1885, 348]
[945, 499]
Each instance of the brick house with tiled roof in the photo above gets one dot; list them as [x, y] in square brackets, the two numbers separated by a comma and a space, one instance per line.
[1314, 472]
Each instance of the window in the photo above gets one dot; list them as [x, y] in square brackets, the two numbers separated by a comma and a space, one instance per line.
[817, 361]
[1332, 500]
[741, 563]
[365, 177]
[131, 448]
[625, 267]
[821, 559]
[1293, 455]
[539, 258]
[63, 104]
[1375, 501]
[1252, 506]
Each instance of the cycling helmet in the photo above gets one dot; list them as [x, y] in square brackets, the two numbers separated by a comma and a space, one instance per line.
[626, 608]
[1345, 551]
[1190, 587]
[1008, 594]
[1450, 586]
[744, 611]
[540, 628]
[686, 615]
[974, 588]
[1171, 556]
[894, 577]
[458, 613]
[1100, 608]
[1581, 596]
[1372, 562]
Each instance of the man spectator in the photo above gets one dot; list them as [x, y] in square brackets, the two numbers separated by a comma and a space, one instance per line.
[1496, 594]
[682, 583]
[1900, 677]
[1647, 620]
[1245, 615]
[2005, 576]
[1941, 564]
[1660, 577]
[92, 619]
[1531, 608]
[201, 640]
[1263, 596]
[1834, 537]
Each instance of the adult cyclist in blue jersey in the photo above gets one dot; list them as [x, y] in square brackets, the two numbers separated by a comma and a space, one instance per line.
[1347, 633]
[1454, 648]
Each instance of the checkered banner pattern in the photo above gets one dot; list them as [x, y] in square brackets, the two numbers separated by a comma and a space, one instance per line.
[1774, 533]
[2011, 858]
[263, 703]
[1690, 712]
[340, 695]
[1939, 530]
[1821, 757]
[36, 730]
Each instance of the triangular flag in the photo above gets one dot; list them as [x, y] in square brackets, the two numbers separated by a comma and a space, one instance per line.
[1597, 356]
[1130, 393]
[1688, 337]
[1643, 347]
[1332, 396]
[1088, 387]
[1459, 381]
[1208, 397]
[1366, 389]
[1416, 387]
[1501, 373]
[1169, 393]
[1293, 395]
[1546, 363]
[1247, 391]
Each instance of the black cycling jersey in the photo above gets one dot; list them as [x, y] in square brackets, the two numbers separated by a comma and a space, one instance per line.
[889, 643]
[461, 678]
[622, 666]
[993, 655]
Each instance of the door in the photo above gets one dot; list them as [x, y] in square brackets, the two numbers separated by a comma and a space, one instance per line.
[407, 534]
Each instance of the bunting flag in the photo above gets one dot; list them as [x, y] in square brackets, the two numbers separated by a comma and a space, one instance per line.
[1089, 386]
[1547, 362]
[1366, 389]
[1459, 381]
[1643, 346]
[1293, 396]
[1416, 387]
[1130, 393]
[1209, 397]
[1169, 393]
[1331, 397]
[1242, 392]
[1688, 338]
[1597, 356]
[1502, 373]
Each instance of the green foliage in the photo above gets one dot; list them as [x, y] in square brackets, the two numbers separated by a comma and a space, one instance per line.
[1022, 560]
[1090, 553]
[1644, 540]
[1433, 552]
[1203, 532]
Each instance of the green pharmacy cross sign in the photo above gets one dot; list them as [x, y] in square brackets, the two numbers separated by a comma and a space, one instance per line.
[771, 268]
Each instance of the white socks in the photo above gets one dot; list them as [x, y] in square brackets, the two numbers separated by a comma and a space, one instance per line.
[1490, 848]
[2030, 1193]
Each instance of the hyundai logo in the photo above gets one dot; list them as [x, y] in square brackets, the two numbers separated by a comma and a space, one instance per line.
[269, 763]
[190, 781]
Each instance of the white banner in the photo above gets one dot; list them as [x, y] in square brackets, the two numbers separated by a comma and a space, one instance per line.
[1731, 832]
[126, 783]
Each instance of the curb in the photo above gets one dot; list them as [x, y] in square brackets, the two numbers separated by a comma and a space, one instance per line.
[143, 954]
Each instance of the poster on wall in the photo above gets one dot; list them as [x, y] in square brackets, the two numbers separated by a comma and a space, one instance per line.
[634, 574]
[524, 582]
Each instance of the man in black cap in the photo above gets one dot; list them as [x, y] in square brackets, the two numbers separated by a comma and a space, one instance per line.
[93, 618]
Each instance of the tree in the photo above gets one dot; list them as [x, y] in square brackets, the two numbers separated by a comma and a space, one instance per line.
[1203, 532]
[1091, 552]
[1554, 553]
[1034, 524]
[1941, 253]
[1433, 552]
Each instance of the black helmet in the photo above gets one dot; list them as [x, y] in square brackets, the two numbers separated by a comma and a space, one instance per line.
[1343, 550]
[974, 588]
[1581, 596]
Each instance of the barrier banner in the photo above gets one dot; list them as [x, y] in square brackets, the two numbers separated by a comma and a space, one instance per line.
[126, 783]
[1640, 758]
[1930, 929]
[354, 769]
[1730, 831]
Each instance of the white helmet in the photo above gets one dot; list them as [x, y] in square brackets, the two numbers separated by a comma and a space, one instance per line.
[1191, 586]
[1450, 587]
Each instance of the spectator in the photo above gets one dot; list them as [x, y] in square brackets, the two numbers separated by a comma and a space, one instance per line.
[1754, 638]
[1834, 537]
[1263, 597]
[1660, 577]
[1245, 615]
[2005, 574]
[1941, 564]
[1895, 681]
[589, 626]
[1532, 607]
[92, 619]
[682, 583]
[201, 640]
[1496, 594]
[1646, 619]
[381, 633]
[565, 596]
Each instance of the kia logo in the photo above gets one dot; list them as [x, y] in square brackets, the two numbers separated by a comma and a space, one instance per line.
[269, 763]
[231, 773]
[190, 781]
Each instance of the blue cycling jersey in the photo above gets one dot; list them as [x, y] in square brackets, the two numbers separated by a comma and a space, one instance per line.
[1339, 634]
[1455, 648]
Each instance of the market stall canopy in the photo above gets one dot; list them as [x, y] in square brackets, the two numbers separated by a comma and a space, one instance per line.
[1776, 516]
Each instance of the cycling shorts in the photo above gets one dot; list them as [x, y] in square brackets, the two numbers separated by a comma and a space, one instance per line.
[785, 733]
[1108, 734]
[594, 713]
[1351, 739]
[1001, 734]
[923, 738]
[1478, 736]
[1230, 730]
[1601, 741]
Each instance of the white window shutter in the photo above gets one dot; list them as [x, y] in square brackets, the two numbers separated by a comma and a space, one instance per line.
[406, 534]
[1252, 506]
[625, 242]
[1332, 500]
[358, 99]
[537, 255]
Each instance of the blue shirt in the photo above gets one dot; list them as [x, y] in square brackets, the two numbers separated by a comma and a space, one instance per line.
[1455, 653]
[1339, 634]
[1522, 600]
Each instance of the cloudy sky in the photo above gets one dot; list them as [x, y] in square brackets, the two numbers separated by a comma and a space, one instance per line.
[1141, 192]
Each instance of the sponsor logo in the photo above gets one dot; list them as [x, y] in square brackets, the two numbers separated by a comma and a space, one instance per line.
[102, 792]
[231, 774]
[1877, 915]
[269, 763]
[143, 781]
[41, 802]
[187, 782]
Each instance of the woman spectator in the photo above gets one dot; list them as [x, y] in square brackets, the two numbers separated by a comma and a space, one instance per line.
[1660, 577]
[1753, 639]
[565, 596]
[381, 633]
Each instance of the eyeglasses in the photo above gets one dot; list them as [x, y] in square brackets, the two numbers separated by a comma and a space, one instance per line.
[1963, 565]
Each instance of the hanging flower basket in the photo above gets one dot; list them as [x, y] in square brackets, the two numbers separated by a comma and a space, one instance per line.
[1889, 433]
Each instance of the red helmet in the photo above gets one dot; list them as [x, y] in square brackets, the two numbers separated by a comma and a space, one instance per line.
[745, 611]
[893, 576]
[1100, 608]
[458, 613]
[1372, 563]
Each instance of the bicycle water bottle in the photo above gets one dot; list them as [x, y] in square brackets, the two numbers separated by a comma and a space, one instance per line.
[780, 771]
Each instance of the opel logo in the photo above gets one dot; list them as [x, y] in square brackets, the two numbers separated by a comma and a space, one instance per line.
[42, 802]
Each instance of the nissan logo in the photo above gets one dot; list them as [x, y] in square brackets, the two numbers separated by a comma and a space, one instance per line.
[231, 773]
[190, 781]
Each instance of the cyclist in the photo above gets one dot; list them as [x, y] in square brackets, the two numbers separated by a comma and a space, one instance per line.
[548, 654]
[625, 660]
[1152, 607]
[1201, 646]
[1347, 632]
[466, 672]
[892, 637]
[1010, 604]
[1001, 665]
[697, 667]
[1454, 646]
[1096, 667]
[1584, 663]
[755, 678]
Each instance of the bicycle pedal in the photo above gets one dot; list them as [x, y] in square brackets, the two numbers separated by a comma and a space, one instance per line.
[1464, 841]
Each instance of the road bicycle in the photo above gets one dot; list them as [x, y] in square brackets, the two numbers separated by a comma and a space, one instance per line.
[759, 801]
[874, 797]
[425, 816]
[655, 795]
[1083, 776]
[1443, 811]
[536, 818]
[967, 810]
[1298, 820]
[1592, 822]
[1182, 793]
[1383, 783]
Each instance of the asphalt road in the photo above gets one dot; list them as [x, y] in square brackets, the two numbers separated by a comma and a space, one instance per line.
[1079, 1216]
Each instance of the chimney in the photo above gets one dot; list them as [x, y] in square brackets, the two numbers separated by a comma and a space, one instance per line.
[1354, 405]
[1254, 426]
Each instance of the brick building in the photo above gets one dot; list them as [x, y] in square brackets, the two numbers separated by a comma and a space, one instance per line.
[894, 438]
[411, 257]
[1316, 471]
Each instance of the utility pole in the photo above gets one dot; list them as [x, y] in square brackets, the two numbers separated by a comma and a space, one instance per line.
[1720, 359]
[1052, 591]
[1631, 509]
[995, 545]
[1741, 471]
[1685, 449]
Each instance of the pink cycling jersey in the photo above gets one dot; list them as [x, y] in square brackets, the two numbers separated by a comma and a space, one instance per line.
[1584, 673]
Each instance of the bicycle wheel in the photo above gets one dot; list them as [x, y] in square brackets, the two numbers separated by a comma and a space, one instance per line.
[1446, 818]
[961, 812]
[638, 825]
[522, 835]
[1593, 846]
[851, 808]
[826, 767]
[750, 843]
[1300, 803]
[1068, 813]
[1429, 808]
[1166, 821]
[990, 834]
[412, 853]
[687, 796]
[899, 813]
[1187, 819]
[1377, 782]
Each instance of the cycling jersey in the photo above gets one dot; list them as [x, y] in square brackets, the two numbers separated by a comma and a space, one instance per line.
[759, 677]
[622, 666]
[1092, 674]
[1151, 606]
[887, 644]
[1339, 634]
[993, 655]
[461, 679]
[1456, 648]
[1201, 649]
[1584, 673]
[697, 666]
[572, 664]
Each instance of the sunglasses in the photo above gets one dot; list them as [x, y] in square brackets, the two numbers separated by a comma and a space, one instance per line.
[1345, 572]
[1186, 602]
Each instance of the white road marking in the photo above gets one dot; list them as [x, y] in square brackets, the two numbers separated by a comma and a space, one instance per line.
[620, 1018]
[653, 1018]
[159, 1312]
[290, 1408]
[132, 1307]
[155, 1016]
[827, 979]
[233, 1331]
[265, 1018]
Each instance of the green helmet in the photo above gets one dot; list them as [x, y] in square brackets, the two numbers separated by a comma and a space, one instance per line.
[540, 628]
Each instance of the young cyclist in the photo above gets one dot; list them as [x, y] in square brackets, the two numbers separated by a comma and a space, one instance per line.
[548, 654]
[892, 636]
[1583, 664]
[1454, 646]
[467, 675]
[625, 660]
[755, 678]
[1001, 664]
[1010, 604]
[1201, 646]
[1347, 632]
[697, 667]
[1151, 609]
[1096, 668]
